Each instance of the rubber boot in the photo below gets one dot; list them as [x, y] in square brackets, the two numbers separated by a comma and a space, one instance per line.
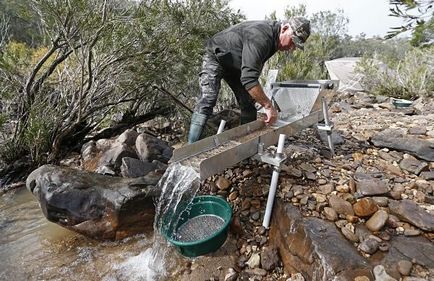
[198, 121]
[247, 117]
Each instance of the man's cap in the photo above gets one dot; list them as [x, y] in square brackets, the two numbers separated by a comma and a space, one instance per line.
[301, 28]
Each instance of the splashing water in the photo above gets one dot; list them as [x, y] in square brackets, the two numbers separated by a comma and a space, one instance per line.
[178, 186]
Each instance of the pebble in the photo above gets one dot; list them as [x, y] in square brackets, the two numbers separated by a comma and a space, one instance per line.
[365, 207]
[349, 234]
[377, 221]
[362, 278]
[404, 267]
[330, 214]
[254, 261]
[231, 275]
[223, 183]
[381, 275]
[369, 246]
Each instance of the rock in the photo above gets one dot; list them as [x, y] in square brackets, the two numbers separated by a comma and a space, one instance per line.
[413, 165]
[404, 267]
[151, 148]
[257, 271]
[330, 214]
[381, 201]
[395, 139]
[254, 261]
[365, 207]
[231, 275]
[349, 234]
[427, 175]
[417, 249]
[128, 137]
[377, 221]
[369, 245]
[297, 277]
[269, 258]
[133, 168]
[412, 213]
[105, 170]
[97, 206]
[326, 189]
[223, 183]
[301, 241]
[381, 275]
[371, 187]
[88, 151]
[341, 206]
[361, 278]
[113, 156]
[290, 170]
[417, 130]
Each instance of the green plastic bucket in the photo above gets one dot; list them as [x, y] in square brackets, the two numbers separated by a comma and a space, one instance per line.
[208, 218]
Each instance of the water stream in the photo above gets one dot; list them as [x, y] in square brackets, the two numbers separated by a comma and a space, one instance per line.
[32, 248]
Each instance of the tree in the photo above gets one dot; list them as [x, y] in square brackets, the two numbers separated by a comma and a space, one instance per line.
[416, 14]
[105, 57]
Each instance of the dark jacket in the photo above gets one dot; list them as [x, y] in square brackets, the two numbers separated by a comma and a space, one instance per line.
[245, 47]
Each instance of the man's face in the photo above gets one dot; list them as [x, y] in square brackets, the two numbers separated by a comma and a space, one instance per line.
[285, 39]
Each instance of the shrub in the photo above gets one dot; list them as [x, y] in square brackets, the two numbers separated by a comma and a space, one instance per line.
[410, 78]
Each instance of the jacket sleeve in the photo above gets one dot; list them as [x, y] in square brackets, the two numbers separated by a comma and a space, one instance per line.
[252, 62]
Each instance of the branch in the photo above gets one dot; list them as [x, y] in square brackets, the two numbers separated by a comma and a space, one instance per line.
[175, 99]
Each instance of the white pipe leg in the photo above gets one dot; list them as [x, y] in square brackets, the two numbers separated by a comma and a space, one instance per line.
[270, 199]
[221, 126]
[273, 185]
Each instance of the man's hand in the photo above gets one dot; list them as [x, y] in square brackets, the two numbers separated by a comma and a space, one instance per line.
[259, 96]
[271, 113]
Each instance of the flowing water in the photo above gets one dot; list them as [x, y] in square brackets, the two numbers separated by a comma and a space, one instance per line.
[32, 248]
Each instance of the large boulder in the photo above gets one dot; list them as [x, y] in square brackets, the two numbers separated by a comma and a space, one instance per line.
[98, 206]
[396, 139]
[314, 247]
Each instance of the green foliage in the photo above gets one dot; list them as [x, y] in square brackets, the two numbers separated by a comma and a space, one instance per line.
[414, 13]
[411, 77]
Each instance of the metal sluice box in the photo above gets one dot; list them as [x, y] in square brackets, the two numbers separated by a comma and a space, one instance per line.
[300, 106]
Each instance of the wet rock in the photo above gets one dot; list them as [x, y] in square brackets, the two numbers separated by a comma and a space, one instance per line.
[223, 183]
[341, 206]
[412, 165]
[97, 206]
[377, 221]
[412, 213]
[381, 274]
[301, 241]
[133, 168]
[395, 139]
[369, 245]
[371, 187]
[269, 258]
[365, 207]
[404, 267]
[151, 148]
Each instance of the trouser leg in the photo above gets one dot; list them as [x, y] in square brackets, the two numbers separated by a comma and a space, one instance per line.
[244, 99]
[209, 84]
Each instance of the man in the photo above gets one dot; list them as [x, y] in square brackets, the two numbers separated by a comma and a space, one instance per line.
[237, 55]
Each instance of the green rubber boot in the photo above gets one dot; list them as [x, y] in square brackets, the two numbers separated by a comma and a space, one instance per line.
[198, 121]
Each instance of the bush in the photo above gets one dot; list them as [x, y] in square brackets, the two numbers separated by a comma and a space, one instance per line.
[410, 78]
